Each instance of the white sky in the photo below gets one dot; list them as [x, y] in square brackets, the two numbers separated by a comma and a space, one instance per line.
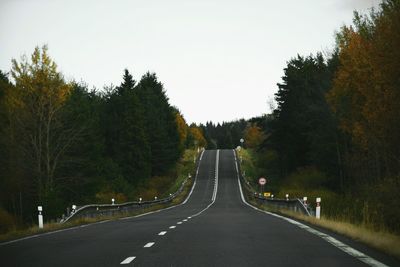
[219, 60]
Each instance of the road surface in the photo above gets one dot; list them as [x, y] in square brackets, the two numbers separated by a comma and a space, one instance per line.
[213, 228]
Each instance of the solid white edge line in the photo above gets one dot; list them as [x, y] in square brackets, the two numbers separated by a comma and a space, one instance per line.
[340, 245]
[214, 196]
[215, 189]
[119, 219]
[149, 245]
[127, 260]
[52, 232]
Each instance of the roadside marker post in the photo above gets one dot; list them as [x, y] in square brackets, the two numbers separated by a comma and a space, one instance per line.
[287, 197]
[112, 201]
[305, 201]
[318, 208]
[262, 181]
[40, 217]
[73, 208]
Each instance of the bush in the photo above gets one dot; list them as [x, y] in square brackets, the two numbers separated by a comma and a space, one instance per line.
[308, 177]
[7, 221]
[105, 197]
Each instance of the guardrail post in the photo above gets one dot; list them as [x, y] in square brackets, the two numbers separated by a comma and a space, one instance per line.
[318, 208]
[40, 217]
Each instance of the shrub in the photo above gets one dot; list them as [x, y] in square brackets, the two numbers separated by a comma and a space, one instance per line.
[7, 221]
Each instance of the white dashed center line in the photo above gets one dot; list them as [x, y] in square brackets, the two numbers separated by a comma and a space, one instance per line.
[162, 233]
[185, 220]
[148, 245]
[179, 222]
[172, 227]
[189, 217]
[127, 260]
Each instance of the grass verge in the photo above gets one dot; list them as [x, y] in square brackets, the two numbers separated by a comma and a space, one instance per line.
[187, 166]
[379, 239]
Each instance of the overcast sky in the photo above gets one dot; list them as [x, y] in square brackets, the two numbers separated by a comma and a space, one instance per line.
[218, 60]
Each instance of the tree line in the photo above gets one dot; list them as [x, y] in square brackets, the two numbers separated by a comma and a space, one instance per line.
[63, 143]
[339, 115]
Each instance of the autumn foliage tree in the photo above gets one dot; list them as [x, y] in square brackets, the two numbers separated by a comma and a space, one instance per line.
[366, 90]
[35, 107]
[183, 129]
[254, 136]
[197, 136]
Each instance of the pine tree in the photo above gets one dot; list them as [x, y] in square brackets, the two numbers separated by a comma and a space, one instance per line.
[160, 124]
[126, 138]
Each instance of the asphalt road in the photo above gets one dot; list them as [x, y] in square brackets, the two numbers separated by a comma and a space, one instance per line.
[213, 228]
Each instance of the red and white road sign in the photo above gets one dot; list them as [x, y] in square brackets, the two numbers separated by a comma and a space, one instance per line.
[262, 181]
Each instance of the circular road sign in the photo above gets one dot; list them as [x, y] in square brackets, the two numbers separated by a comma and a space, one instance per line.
[262, 181]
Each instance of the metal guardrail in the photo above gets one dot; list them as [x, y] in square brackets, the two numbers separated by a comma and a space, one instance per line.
[295, 205]
[95, 210]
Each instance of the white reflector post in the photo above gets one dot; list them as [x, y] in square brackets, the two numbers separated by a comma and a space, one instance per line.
[40, 217]
[318, 208]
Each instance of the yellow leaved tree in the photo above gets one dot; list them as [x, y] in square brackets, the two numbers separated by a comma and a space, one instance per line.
[182, 129]
[254, 136]
[198, 136]
[34, 107]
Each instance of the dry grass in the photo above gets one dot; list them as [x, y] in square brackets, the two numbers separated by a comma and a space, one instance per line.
[34, 230]
[381, 240]
[371, 235]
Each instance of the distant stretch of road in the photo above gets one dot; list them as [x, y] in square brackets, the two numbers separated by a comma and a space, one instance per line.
[214, 227]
